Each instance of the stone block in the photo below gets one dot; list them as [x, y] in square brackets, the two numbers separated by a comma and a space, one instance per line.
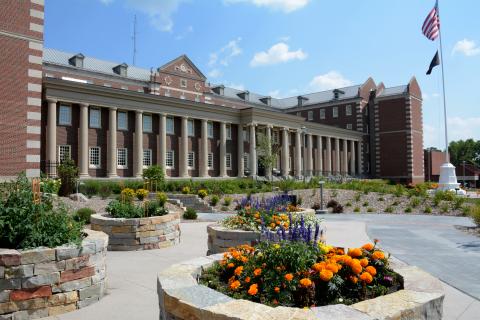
[87, 302]
[124, 247]
[6, 284]
[73, 285]
[98, 260]
[88, 248]
[128, 235]
[9, 257]
[77, 263]
[25, 294]
[95, 290]
[339, 311]
[148, 240]
[146, 234]
[126, 242]
[147, 227]
[23, 270]
[67, 252]
[49, 267]
[123, 229]
[8, 307]
[30, 314]
[30, 304]
[37, 255]
[99, 276]
[62, 298]
[6, 316]
[41, 280]
[69, 275]
[56, 310]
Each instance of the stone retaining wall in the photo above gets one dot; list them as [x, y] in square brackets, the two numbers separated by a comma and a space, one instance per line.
[43, 282]
[181, 297]
[139, 233]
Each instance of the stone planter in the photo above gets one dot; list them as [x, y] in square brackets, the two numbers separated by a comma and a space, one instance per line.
[139, 233]
[43, 282]
[181, 297]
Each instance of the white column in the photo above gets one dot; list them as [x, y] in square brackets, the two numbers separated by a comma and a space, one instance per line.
[240, 146]
[162, 148]
[223, 149]
[298, 154]
[112, 143]
[253, 151]
[359, 155]
[345, 157]
[329, 156]
[183, 156]
[337, 156]
[52, 136]
[83, 142]
[285, 152]
[138, 145]
[309, 168]
[319, 165]
[352, 158]
[203, 161]
[268, 171]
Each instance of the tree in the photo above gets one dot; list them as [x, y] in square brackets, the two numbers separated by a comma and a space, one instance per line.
[464, 150]
[267, 153]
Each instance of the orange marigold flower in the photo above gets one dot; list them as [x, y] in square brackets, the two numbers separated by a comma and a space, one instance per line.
[272, 225]
[257, 272]
[368, 246]
[253, 289]
[275, 301]
[353, 279]
[305, 282]
[378, 255]
[356, 252]
[230, 265]
[326, 275]
[364, 262]
[347, 260]
[289, 277]
[371, 270]
[247, 279]
[235, 285]
[319, 266]
[356, 266]
[277, 289]
[238, 270]
[366, 277]
[332, 267]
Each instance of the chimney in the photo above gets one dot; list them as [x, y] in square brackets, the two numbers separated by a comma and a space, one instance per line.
[121, 69]
[77, 60]
[267, 101]
[301, 99]
[245, 95]
[337, 93]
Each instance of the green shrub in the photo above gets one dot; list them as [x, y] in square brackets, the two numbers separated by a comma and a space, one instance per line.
[155, 177]
[162, 198]
[83, 215]
[26, 224]
[475, 214]
[48, 185]
[414, 202]
[399, 190]
[119, 209]
[365, 204]
[389, 209]
[436, 201]
[466, 210]
[214, 200]
[395, 203]
[356, 209]
[127, 194]
[186, 190]
[90, 190]
[458, 202]
[190, 214]
[444, 208]
[408, 209]
[348, 204]
[381, 199]
[337, 209]
[332, 203]
[286, 185]
[333, 193]
[104, 191]
[141, 194]
[67, 171]
[154, 208]
[427, 209]
[224, 208]
[202, 193]
[444, 195]
[357, 197]
[227, 201]
[369, 209]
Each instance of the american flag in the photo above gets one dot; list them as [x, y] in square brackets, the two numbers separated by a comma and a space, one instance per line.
[431, 26]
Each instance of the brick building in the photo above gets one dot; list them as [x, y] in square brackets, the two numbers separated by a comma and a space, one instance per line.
[114, 120]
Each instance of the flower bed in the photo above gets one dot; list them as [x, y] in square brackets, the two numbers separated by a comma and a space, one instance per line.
[43, 282]
[127, 234]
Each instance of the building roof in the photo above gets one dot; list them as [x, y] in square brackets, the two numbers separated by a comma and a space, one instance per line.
[392, 91]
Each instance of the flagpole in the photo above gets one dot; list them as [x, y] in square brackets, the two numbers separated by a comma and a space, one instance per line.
[447, 158]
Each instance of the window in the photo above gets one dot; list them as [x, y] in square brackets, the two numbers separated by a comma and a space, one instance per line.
[94, 158]
[229, 131]
[349, 126]
[95, 118]
[65, 115]
[367, 128]
[228, 160]
[191, 159]
[191, 128]
[322, 113]
[210, 161]
[183, 83]
[276, 137]
[348, 109]
[147, 123]
[170, 125]
[170, 159]
[122, 121]
[182, 96]
[122, 158]
[210, 129]
[310, 115]
[246, 134]
[147, 158]
[335, 112]
[197, 98]
[64, 153]
[245, 160]
[167, 93]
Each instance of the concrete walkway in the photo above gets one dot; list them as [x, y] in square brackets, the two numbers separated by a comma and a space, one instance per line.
[132, 275]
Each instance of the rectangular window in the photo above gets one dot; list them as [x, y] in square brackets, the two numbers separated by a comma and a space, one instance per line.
[122, 121]
[210, 161]
[147, 158]
[191, 159]
[122, 158]
[348, 109]
[95, 118]
[310, 115]
[170, 159]
[322, 113]
[335, 112]
[349, 126]
[229, 131]
[191, 127]
[183, 83]
[94, 158]
[65, 115]
[170, 125]
[64, 153]
[228, 160]
[245, 160]
[147, 123]
[210, 129]
[276, 137]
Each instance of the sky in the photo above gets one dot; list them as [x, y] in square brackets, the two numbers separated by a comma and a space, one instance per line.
[289, 47]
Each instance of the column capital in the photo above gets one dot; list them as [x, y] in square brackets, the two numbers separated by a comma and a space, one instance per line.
[83, 104]
[285, 129]
[270, 126]
[51, 100]
[113, 108]
[139, 111]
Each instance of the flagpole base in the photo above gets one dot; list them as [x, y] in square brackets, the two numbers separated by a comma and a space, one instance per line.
[448, 179]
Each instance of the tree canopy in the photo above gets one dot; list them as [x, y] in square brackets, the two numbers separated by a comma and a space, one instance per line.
[464, 150]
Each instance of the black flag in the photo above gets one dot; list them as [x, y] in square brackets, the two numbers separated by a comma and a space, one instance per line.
[435, 62]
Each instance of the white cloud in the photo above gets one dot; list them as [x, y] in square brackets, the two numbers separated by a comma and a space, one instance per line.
[223, 57]
[215, 73]
[329, 80]
[431, 137]
[459, 128]
[467, 47]
[237, 86]
[278, 53]
[185, 33]
[286, 6]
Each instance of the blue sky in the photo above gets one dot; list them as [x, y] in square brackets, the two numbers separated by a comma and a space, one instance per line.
[287, 47]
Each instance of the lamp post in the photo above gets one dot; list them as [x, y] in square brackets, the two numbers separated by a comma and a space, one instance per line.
[322, 210]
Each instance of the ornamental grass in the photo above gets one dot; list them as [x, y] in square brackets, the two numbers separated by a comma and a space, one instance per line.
[302, 274]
